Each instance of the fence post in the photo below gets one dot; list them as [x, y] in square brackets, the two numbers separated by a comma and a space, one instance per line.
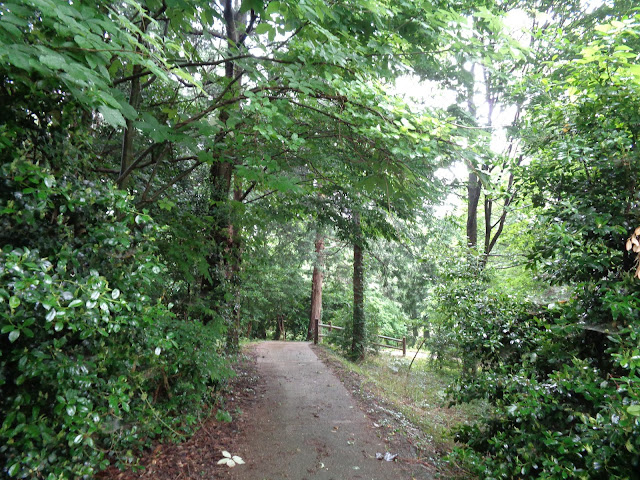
[404, 346]
[316, 326]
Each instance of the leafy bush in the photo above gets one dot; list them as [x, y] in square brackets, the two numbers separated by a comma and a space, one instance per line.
[90, 355]
[385, 316]
[567, 403]
[554, 415]
[563, 397]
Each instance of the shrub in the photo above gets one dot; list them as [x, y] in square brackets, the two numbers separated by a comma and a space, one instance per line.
[90, 354]
[559, 408]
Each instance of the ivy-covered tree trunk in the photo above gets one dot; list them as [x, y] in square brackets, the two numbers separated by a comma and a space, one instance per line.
[359, 340]
[225, 258]
[233, 272]
[316, 284]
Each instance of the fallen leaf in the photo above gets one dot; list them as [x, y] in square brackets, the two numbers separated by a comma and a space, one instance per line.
[387, 456]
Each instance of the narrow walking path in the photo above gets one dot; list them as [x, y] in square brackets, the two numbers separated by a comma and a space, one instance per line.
[306, 425]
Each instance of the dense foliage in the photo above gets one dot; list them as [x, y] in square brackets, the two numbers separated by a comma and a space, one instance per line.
[146, 148]
[562, 380]
[90, 354]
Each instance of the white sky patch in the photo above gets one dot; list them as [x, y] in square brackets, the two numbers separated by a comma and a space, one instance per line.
[452, 203]
[456, 170]
[424, 93]
[518, 23]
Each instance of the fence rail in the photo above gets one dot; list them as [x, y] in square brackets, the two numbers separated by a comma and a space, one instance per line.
[317, 337]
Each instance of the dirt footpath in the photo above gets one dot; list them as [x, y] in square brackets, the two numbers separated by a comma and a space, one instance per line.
[306, 425]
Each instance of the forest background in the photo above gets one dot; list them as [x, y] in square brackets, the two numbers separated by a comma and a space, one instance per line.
[177, 175]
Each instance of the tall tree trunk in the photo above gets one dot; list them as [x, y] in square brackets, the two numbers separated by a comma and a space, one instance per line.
[126, 155]
[234, 257]
[359, 339]
[473, 197]
[224, 259]
[474, 187]
[316, 284]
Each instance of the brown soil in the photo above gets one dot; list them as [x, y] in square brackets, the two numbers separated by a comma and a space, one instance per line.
[197, 457]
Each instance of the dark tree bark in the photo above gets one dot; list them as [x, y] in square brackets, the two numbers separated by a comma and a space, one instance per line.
[280, 332]
[316, 284]
[126, 156]
[359, 338]
[474, 189]
[225, 257]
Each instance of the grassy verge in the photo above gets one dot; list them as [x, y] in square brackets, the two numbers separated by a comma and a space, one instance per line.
[414, 401]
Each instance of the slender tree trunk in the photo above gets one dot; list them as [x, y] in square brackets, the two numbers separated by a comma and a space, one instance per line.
[126, 156]
[359, 338]
[474, 187]
[135, 100]
[488, 210]
[316, 284]
[473, 197]
[224, 259]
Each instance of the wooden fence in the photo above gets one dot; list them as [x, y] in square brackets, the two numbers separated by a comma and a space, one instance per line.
[402, 342]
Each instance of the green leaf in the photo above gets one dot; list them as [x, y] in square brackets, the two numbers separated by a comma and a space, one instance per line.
[75, 303]
[604, 28]
[263, 28]
[13, 469]
[112, 116]
[274, 7]
[53, 61]
[634, 410]
[257, 5]
[49, 181]
[224, 416]
[14, 302]
[13, 336]
[635, 71]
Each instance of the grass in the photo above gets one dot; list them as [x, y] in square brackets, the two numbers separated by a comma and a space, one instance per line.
[417, 396]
